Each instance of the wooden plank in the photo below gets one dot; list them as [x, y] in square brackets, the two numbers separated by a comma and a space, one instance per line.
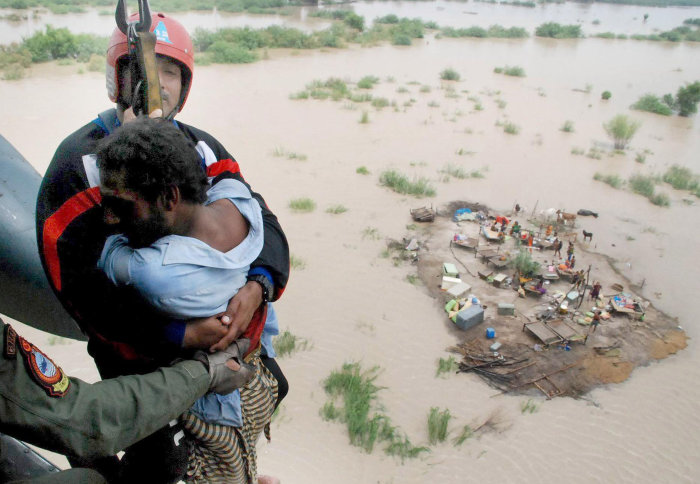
[543, 333]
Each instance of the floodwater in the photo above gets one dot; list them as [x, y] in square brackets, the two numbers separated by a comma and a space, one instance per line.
[593, 17]
[354, 305]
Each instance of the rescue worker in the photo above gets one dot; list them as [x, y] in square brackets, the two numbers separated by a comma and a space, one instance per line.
[71, 234]
[41, 405]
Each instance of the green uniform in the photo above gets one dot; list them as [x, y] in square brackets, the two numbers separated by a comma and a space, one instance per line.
[42, 406]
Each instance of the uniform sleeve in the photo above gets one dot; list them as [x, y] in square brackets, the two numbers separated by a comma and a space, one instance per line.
[100, 419]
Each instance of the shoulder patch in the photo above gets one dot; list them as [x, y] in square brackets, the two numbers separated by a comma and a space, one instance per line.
[44, 371]
[10, 349]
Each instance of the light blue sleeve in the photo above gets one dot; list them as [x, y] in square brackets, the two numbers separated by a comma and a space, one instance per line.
[220, 409]
[115, 258]
[271, 329]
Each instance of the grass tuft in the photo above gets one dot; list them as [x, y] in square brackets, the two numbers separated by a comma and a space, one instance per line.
[287, 343]
[336, 209]
[437, 425]
[449, 74]
[446, 366]
[613, 180]
[401, 184]
[362, 170]
[366, 424]
[530, 406]
[302, 205]
[567, 127]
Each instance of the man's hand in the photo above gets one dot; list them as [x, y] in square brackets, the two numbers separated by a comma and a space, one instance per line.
[239, 312]
[202, 333]
[129, 115]
[227, 371]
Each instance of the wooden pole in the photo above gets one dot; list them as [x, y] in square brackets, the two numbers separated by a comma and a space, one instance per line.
[583, 293]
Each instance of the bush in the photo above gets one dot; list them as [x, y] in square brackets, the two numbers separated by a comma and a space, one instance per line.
[355, 21]
[387, 19]
[557, 31]
[643, 185]
[516, 71]
[223, 52]
[652, 104]
[401, 39]
[362, 170]
[621, 129]
[606, 95]
[613, 180]
[687, 99]
[660, 199]
[681, 178]
[511, 128]
[524, 264]
[449, 74]
[367, 82]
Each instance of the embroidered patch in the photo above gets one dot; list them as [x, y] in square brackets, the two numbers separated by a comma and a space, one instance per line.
[43, 369]
[10, 349]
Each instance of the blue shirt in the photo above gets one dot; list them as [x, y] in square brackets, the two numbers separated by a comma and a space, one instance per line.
[185, 278]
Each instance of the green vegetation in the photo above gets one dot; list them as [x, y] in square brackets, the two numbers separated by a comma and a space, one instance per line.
[567, 127]
[287, 343]
[401, 184]
[495, 31]
[362, 170]
[464, 435]
[606, 95]
[557, 31]
[333, 88]
[613, 180]
[367, 82]
[380, 102]
[437, 425]
[652, 104]
[336, 209]
[643, 185]
[446, 366]
[296, 262]
[50, 44]
[681, 178]
[371, 233]
[621, 129]
[660, 199]
[529, 407]
[516, 71]
[687, 98]
[449, 74]
[511, 128]
[302, 205]
[367, 424]
[291, 155]
[524, 264]
[364, 119]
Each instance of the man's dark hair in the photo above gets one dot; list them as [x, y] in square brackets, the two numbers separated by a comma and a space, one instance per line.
[154, 155]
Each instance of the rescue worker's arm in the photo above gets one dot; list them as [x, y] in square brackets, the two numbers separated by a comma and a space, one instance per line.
[91, 420]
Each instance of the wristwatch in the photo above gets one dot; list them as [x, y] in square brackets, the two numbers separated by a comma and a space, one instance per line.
[267, 288]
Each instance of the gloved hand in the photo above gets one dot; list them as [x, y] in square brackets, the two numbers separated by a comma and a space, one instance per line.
[223, 379]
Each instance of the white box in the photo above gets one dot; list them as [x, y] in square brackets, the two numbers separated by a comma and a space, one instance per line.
[448, 282]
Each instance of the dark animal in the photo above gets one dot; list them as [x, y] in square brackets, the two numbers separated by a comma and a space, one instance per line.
[587, 235]
[585, 212]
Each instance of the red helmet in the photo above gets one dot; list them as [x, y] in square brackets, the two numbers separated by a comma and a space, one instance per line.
[172, 40]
